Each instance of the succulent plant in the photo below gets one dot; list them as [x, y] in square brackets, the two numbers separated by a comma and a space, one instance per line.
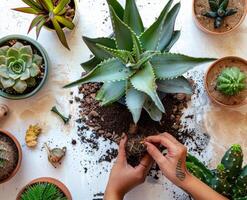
[43, 191]
[65, 119]
[231, 81]
[135, 62]
[228, 179]
[18, 67]
[55, 14]
[219, 11]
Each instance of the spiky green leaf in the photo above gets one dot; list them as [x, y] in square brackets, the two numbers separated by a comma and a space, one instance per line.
[224, 4]
[174, 39]
[213, 5]
[108, 71]
[35, 22]
[28, 10]
[176, 85]
[60, 33]
[98, 51]
[67, 23]
[152, 109]
[33, 4]
[150, 38]
[111, 92]
[144, 80]
[134, 101]
[132, 17]
[60, 6]
[90, 64]
[168, 65]
[168, 27]
[117, 8]
[122, 32]
[39, 26]
[48, 4]
[137, 47]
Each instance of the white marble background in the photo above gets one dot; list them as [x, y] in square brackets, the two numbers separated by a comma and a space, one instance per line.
[224, 126]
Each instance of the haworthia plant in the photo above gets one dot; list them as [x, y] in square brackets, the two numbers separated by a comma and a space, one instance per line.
[229, 179]
[134, 63]
[55, 14]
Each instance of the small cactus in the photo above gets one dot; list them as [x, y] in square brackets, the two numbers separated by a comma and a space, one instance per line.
[231, 81]
[240, 188]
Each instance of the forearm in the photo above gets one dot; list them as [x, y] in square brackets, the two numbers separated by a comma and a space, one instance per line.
[199, 190]
[112, 195]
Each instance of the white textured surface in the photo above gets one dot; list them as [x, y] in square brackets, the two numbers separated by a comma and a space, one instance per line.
[65, 66]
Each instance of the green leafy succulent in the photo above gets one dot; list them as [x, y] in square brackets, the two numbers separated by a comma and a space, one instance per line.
[219, 11]
[44, 191]
[135, 62]
[231, 81]
[18, 67]
[54, 14]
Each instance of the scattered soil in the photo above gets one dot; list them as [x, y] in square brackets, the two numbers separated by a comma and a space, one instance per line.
[38, 78]
[202, 6]
[113, 121]
[212, 81]
[8, 157]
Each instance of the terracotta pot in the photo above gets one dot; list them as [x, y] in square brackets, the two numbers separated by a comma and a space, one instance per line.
[215, 32]
[207, 82]
[56, 182]
[19, 155]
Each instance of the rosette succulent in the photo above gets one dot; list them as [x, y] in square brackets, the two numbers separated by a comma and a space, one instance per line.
[231, 81]
[55, 14]
[18, 67]
[219, 11]
[134, 63]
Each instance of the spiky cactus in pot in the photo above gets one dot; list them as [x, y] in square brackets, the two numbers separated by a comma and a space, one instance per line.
[54, 14]
[231, 81]
[19, 66]
[219, 10]
[135, 62]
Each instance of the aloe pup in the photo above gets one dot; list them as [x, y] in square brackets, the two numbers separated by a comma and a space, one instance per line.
[135, 63]
[219, 10]
[55, 14]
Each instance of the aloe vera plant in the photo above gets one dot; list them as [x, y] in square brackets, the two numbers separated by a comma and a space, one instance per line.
[231, 81]
[135, 62]
[229, 178]
[55, 14]
[219, 10]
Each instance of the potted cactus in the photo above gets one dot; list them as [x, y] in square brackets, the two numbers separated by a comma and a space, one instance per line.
[55, 15]
[135, 65]
[10, 156]
[45, 188]
[229, 178]
[23, 67]
[226, 81]
[219, 16]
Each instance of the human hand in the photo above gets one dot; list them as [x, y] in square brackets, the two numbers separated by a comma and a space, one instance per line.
[173, 164]
[124, 177]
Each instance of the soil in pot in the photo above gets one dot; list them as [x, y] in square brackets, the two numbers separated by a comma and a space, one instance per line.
[8, 156]
[38, 78]
[202, 6]
[112, 121]
[213, 74]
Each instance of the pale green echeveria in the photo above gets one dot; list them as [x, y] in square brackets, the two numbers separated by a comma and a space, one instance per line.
[135, 63]
[18, 67]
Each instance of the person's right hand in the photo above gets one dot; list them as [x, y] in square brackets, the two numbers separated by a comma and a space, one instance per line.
[173, 164]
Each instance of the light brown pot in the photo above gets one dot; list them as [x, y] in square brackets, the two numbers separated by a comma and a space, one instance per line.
[207, 82]
[19, 155]
[56, 182]
[214, 32]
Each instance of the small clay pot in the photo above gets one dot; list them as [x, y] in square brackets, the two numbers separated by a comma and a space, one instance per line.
[204, 29]
[53, 181]
[212, 74]
[19, 155]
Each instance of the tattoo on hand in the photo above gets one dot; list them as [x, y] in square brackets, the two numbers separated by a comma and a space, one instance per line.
[179, 171]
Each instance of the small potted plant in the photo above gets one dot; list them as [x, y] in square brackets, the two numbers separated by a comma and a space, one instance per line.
[10, 156]
[55, 15]
[45, 188]
[23, 67]
[219, 16]
[226, 81]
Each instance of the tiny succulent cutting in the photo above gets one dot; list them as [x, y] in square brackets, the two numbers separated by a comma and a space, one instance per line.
[65, 119]
[18, 67]
[231, 81]
[44, 191]
[219, 10]
[55, 155]
[135, 62]
[229, 178]
[55, 14]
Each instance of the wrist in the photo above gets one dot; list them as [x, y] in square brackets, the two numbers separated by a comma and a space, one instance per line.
[113, 194]
[187, 182]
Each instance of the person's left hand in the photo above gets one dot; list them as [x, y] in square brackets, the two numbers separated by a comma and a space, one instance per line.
[124, 177]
